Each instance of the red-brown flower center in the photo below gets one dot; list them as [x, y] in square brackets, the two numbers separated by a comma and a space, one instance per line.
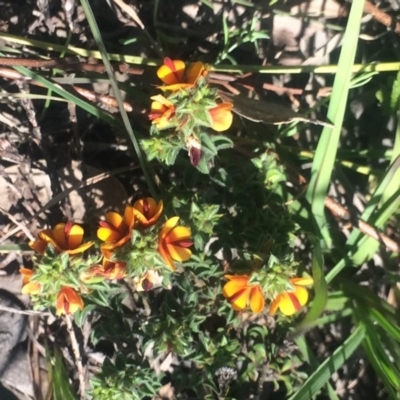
[105, 224]
[236, 295]
[170, 64]
[67, 230]
[146, 208]
[295, 301]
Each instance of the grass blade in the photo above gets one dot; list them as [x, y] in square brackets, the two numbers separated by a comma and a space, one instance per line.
[326, 150]
[322, 375]
[99, 41]
[320, 287]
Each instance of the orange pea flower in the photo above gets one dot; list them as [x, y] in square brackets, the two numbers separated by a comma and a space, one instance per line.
[147, 211]
[162, 110]
[173, 242]
[114, 270]
[68, 301]
[150, 280]
[65, 237]
[172, 73]
[221, 117]
[108, 269]
[290, 302]
[116, 230]
[241, 294]
[28, 286]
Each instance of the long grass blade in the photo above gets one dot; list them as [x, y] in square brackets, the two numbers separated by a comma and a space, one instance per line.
[320, 288]
[326, 151]
[99, 41]
[322, 375]
[90, 108]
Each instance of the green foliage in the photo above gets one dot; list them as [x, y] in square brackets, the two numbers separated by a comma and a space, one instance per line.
[124, 379]
[58, 377]
[241, 195]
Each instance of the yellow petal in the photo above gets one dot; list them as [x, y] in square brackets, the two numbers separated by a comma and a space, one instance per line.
[172, 71]
[157, 108]
[26, 274]
[241, 299]
[301, 294]
[31, 288]
[194, 72]
[175, 87]
[274, 305]
[80, 249]
[129, 217]
[116, 220]
[178, 253]
[59, 236]
[74, 237]
[302, 281]
[108, 235]
[168, 226]
[38, 245]
[48, 237]
[234, 286]
[166, 257]
[146, 206]
[68, 301]
[221, 117]
[291, 302]
[257, 302]
[286, 305]
[178, 233]
[162, 101]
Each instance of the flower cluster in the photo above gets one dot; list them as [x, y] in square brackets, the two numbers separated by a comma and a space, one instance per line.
[288, 295]
[53, 281]
[138, 247]
[135, 245]
[185, 110]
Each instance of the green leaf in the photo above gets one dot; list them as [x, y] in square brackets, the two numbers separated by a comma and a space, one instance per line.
[58, 377]
[322, 375]
[320, 287]
[106, 60]
[325, 155]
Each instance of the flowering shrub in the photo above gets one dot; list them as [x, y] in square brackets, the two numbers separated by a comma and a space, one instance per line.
[186, 115]
[166, 253]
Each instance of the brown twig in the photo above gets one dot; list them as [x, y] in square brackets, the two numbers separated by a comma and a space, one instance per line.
[68, 64]
[225, 80]
[35, 360]
[341, 212]
[382, 17]
[77, 355]
[23, 312]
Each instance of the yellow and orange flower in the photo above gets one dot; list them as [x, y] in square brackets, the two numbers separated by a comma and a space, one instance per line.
[147, 211]
[290, 302]
[116, 230]
[173, 242]
[68, 301]
[108, 269]
[114, 270]
[28, 286]
[221, 117]
[149, 281]
[162, 110]
[241, 294]
[173, 74]
[65, 237]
